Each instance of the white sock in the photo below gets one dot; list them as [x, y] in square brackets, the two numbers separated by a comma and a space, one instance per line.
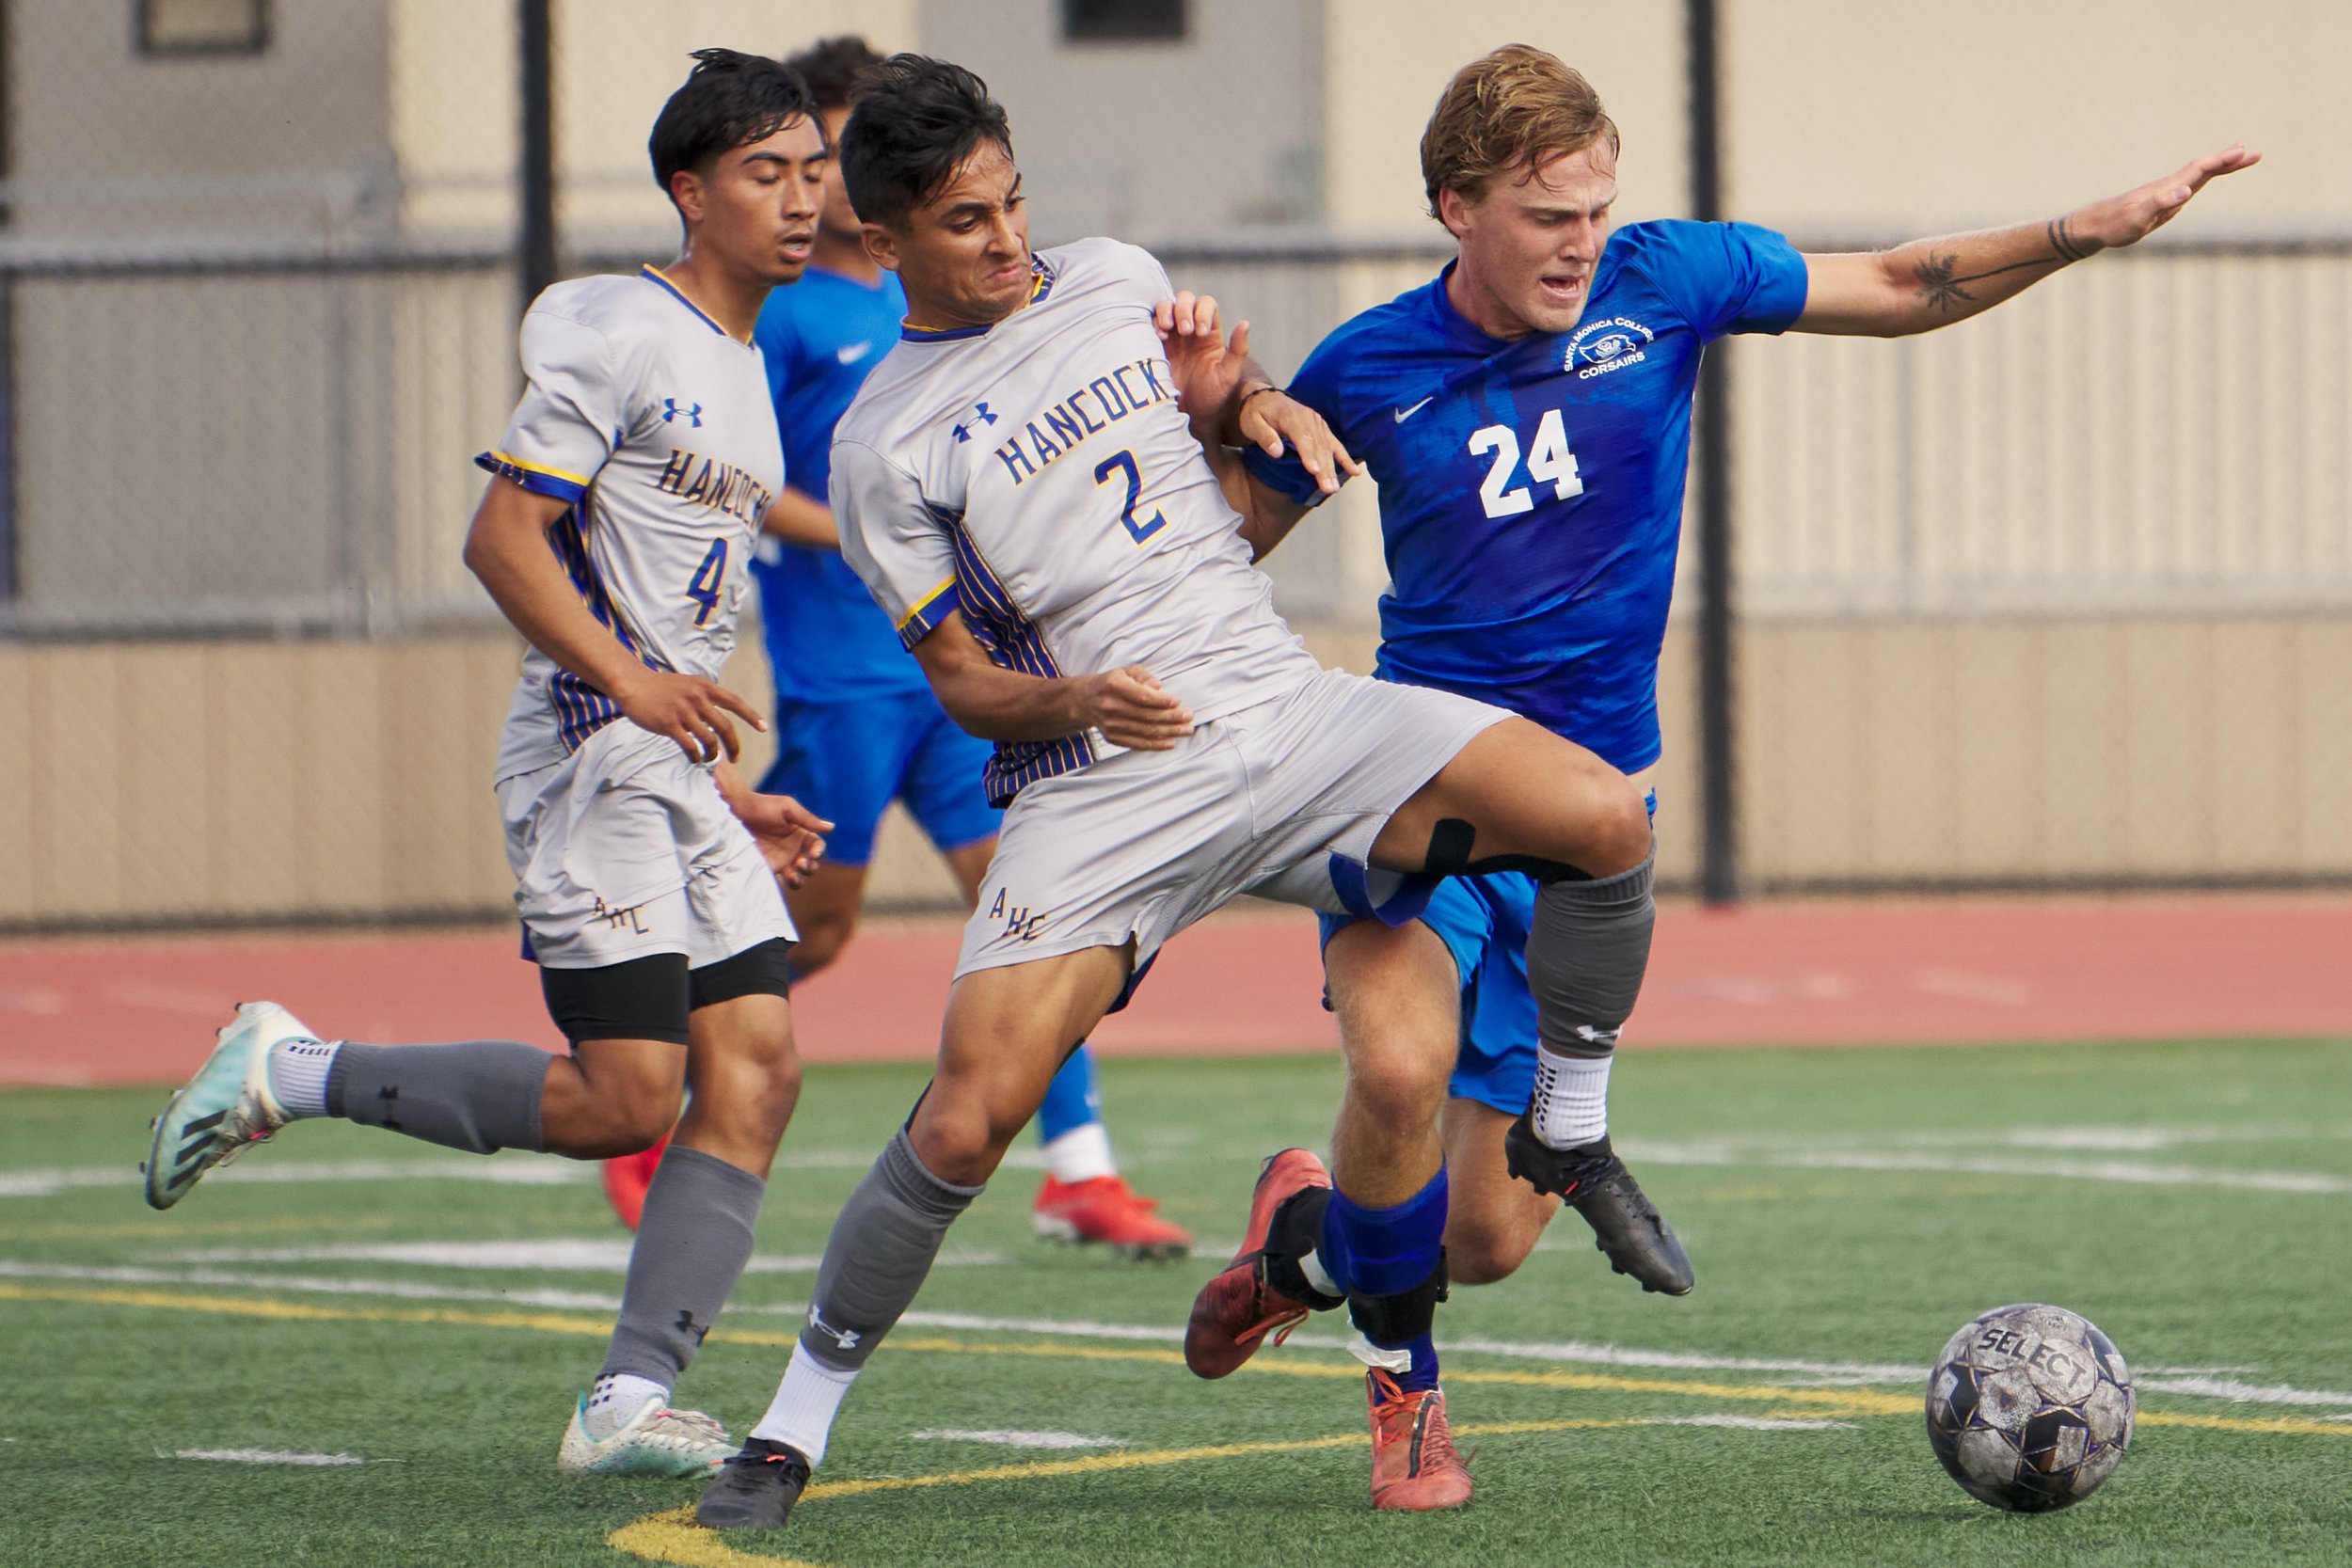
[1081, 1154]
[298, 1075]
[1571, 1098]
[805, 1402]
[616, 1397]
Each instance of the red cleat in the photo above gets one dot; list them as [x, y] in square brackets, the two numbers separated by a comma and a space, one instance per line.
[1106, 1210]
[1238, 1311]
[626, 1178]
[1414, 1467]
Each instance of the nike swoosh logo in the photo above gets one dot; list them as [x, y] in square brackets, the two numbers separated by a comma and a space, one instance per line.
[1404, 414]
[851, 352]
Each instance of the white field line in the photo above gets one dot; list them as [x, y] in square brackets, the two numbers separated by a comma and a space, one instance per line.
[1847, 1149]
[590, 1255]
[269, 1456]
[1006, 1438]
[1725, 1152]
[1794, 1371]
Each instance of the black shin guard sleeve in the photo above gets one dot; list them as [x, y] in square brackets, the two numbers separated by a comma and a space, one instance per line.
[1586, 954]
[1407, 1315]
[481, 1096]
[693, 1242]
[879, 1251]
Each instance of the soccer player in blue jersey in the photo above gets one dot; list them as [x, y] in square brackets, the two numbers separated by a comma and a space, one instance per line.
[855, 720]
[1527, 416]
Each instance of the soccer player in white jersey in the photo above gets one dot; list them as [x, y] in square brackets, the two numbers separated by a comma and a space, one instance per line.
[626, 496]
[1020, 488]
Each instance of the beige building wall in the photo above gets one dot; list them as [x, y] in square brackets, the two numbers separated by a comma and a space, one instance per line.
[455, 117]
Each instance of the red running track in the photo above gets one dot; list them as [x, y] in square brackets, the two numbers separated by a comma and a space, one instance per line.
[109, 1010]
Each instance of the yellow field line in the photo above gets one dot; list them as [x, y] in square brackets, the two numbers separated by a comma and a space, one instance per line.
[673, 1536]
[1816, 1402]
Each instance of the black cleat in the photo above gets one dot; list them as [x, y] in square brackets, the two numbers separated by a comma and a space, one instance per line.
[1627, 1226]
[755, 1488]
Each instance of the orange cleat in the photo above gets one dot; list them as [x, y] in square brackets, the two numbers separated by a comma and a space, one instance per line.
[1238, 1311]
[626, 1178]
[1108, 1211]
[1414, 1466]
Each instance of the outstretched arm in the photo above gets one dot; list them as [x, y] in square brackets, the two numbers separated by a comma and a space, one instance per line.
[1931, 283]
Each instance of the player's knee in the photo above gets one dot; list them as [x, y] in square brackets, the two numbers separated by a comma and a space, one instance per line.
[624, 1124]
[1398, 1079]
[1620, 830]
[1476, 1255]
[823, 935]
[961, 1138]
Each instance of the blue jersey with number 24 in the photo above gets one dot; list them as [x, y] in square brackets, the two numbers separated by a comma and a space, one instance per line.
[1531, 491]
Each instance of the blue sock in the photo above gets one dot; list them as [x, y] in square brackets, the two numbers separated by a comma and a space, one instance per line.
[1071, 1100]
[1388, 1252]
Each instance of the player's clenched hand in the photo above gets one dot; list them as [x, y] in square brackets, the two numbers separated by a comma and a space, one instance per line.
[2129, 218]
[1134, 710]
[1207, 367]
[689, 709]
[790, 836]
[1269, 420]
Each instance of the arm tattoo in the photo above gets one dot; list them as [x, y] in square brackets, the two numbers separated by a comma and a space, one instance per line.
[1942, 285]
[2062, 240]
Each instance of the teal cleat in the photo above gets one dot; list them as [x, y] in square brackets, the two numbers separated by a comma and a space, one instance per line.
[225, 1108]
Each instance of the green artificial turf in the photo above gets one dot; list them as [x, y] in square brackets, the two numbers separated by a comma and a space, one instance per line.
[1845, 1208]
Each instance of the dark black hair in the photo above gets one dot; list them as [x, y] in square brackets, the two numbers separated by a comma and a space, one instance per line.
[831, 67]
[914, 123]
[730, 99]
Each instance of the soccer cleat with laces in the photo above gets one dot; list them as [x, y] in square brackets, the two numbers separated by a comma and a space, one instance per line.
[225, 1108]
[654, 1441]
[1105, 1209]
[1627, 1226]
[754, 1489]
[1414, 1466]
[628, 1179]
[1239, 1310]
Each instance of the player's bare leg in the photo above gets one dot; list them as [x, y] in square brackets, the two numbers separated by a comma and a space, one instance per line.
[694, 1237]
[1373, 1234]
[1519, 797]
[1006, 1032]
[1494, 1220]
[825, 911]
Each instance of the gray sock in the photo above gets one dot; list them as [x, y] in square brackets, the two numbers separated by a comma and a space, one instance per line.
[481, 1096]
[693, 1242]
[1587, 953]
[881, 1248]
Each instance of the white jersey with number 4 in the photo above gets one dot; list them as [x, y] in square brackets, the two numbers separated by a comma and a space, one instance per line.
[1038, 476]
[655, 425]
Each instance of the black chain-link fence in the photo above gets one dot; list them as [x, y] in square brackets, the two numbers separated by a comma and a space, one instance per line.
[2060, 597]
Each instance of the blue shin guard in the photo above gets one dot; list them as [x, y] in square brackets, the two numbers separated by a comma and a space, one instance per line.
[1390, 1262]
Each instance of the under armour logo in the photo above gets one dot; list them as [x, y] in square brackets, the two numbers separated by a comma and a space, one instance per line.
[846, 1337]
[979, 416]
[686, 1325]
[670, 410]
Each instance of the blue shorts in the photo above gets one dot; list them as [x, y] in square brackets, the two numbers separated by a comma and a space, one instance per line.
[847, 761]
[1484, 922]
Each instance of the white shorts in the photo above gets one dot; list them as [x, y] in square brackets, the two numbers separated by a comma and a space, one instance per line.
[625, 849]
[1140, 844]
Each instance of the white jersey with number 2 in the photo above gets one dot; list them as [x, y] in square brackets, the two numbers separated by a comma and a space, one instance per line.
[1038, 476]
[655, 425]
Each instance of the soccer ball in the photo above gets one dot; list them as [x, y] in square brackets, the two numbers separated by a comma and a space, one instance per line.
[2029, 1408]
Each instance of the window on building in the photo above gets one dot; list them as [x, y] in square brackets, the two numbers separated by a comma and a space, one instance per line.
[200, 26]
[1121, 20]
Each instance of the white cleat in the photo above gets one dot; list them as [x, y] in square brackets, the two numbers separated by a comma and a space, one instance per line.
[655, 1441]
[225, 1108]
